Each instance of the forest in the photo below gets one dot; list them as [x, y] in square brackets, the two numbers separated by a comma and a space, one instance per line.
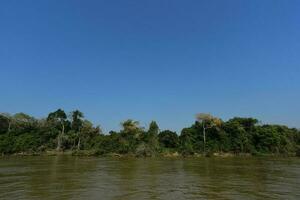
[71, 132]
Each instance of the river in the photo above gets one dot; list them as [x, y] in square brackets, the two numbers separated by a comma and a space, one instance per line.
[67, 177]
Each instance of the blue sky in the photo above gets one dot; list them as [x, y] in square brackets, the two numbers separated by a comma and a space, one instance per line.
[158, 59]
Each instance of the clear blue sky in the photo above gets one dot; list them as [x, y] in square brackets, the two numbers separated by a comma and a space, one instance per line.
[152, 59]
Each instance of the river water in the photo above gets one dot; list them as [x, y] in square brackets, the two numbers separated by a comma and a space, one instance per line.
[67, 177]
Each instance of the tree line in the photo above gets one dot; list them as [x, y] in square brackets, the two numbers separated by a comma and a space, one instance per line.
[21, 133]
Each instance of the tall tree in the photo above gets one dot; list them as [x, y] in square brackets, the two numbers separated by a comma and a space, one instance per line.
[77, 120]
[153, 129]
[77, 123]
[5, 117]
[24, 122]
[152, 135]
[208, 121]
[168, 139]
[130, 127]
[58, 117]
[4, 123]
[129, 135]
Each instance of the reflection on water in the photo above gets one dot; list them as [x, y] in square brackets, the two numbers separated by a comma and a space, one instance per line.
[66, 177]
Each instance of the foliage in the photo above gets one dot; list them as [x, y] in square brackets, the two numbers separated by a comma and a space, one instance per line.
[4, 124]
[168, 139]
[22, 133]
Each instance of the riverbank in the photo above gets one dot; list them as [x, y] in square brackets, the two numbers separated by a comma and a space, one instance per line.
[93, 153]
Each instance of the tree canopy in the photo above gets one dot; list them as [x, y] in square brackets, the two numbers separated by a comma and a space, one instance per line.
[208, 134]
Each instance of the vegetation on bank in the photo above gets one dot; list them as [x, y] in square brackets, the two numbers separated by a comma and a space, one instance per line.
[59, 132]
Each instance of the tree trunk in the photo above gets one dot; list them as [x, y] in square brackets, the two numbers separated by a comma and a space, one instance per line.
[60, 136]
[204, 138]
[78, 145]
[9, 126]
[58, 143]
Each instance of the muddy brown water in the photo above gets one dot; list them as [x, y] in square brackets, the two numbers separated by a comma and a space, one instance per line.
[67, 177]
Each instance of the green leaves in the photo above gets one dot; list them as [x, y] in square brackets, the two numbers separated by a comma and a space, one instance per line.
[57, 115]
[23, 133]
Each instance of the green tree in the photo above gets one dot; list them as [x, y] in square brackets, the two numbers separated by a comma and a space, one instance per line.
[238, 137]
[247, 123]
[4, 124]
[23, 123]
[186, 140]
[7, 121]
[76, 125]
[152, 136]
[130, 135]
[77, 120]
[87, 134]
[130, 126]
[58, 117]
[168, 139]
[208, 121]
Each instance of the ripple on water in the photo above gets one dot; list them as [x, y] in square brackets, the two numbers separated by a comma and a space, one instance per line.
[66, 177]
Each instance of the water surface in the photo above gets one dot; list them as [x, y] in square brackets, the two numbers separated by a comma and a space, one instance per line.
[67, 177]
